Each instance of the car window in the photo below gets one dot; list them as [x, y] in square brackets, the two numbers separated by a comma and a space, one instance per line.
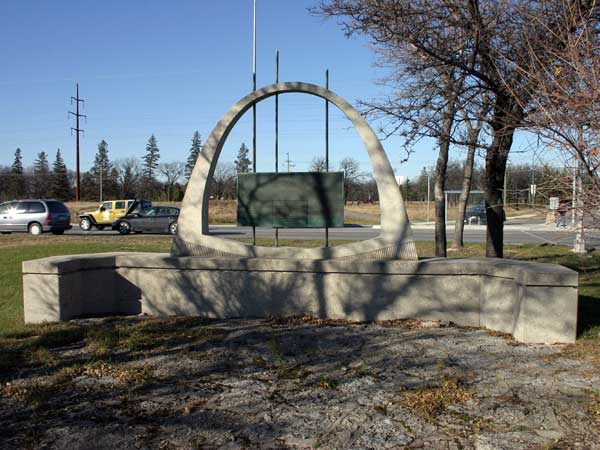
[119, 205]
[57, 207]
[20, 208]
[173, 212]
[4, 207]
[106, 205]
[149, 212]
[35, 207]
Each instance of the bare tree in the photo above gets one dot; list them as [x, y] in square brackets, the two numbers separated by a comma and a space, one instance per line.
[318, 164]
[352, 175]
[487, 41]
[172, 173]
[473, 127]
[564, 107]
[223, 182]
[130, 174]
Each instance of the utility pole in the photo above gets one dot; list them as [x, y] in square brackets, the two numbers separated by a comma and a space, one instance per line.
[288, 162]
[77, 131]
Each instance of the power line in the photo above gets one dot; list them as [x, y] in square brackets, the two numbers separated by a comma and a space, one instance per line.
[77, 131]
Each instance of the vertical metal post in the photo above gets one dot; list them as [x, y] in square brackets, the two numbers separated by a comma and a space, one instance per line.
[327, 144]
[428, 191]
[254, 106]
[277, 132]
[574, 196]
[101, 172]
[505, 185]
[445, 209]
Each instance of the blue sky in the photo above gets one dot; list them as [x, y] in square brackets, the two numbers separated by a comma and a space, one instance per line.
[171, 68]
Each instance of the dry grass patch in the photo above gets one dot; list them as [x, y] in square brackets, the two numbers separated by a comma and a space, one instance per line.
[432, 401]
[39, 390]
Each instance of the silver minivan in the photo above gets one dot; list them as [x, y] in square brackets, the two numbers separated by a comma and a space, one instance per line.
[34, 216]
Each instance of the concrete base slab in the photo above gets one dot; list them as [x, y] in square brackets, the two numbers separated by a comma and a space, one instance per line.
[536, 303]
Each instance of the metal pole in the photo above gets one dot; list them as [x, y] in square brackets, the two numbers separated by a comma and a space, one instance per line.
[428, 191]
[101, 170]
[276, 132]
[445, 209]
[254, 105]
[574, 197]
[327, 144]
[505, 184]
[277, 113]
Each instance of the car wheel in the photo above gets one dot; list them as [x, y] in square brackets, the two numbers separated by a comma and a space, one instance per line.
[35, 229]
[85, 224]
[173, 228]
[58, 232]
[124, 228]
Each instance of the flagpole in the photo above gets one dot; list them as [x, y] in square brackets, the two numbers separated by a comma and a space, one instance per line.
[254, 106]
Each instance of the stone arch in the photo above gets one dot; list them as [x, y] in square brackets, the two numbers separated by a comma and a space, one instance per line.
[192, 239]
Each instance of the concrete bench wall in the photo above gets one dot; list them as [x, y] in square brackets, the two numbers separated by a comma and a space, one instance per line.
[536, 303]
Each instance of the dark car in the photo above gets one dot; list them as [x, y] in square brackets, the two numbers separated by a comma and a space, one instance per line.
[157, 219]
[34, 216]
[476, 214]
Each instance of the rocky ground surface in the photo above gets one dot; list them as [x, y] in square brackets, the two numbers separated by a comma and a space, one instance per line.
[295, 383]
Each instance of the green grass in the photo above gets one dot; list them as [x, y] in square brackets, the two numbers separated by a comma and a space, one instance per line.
[14, 249]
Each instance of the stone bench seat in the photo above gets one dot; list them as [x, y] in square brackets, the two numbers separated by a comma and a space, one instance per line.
[535, 302]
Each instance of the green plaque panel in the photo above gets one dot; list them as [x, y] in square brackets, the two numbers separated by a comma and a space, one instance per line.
[291, 200]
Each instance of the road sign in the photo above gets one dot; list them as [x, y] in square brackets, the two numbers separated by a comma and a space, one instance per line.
[554, 203]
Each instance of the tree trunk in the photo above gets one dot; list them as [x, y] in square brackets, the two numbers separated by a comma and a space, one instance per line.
[440, 181]
[464, 194]
[503, 127]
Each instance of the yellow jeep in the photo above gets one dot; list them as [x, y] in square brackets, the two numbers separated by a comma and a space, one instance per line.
[110, 211]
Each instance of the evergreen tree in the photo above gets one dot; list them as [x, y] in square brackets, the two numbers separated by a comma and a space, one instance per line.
[42, 184]
[17, 166]
[149, 167]
[61, 188]
[112, 184]
[242, 163]
[102, 165]
[194, 152]
[16, 185]
[89, 188]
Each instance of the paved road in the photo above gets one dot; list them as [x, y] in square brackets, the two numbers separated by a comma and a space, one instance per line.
[512, 234]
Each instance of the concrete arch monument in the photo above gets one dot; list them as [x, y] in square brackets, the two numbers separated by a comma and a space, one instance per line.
[192, 238]
[532, 301]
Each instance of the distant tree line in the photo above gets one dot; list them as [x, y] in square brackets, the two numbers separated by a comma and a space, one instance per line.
[145, 177]
[550, 181]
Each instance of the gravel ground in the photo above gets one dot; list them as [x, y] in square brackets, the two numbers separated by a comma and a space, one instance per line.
[303, 383]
